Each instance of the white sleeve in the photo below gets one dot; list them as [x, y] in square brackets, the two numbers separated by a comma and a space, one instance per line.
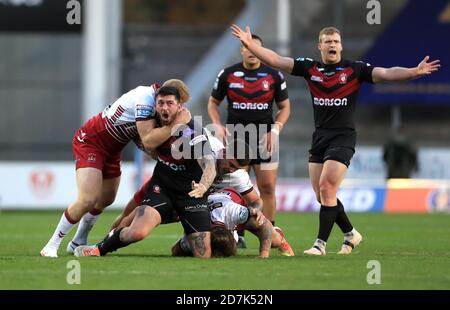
[145, 105]
[240, 180]
[227, 212]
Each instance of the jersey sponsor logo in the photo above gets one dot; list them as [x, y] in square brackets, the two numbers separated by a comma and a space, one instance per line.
[236, 85]
[144, 111]
[316, 78]
[198, 139]
[248, 78]
[265, 85]
[172, 166]
[196, 208]
[343, 78]
[330, 102]
[250, 106]
[283, 86]
[238, 73]
[262, 74]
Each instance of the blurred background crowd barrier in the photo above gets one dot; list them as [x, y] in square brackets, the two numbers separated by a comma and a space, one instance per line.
[64, 61]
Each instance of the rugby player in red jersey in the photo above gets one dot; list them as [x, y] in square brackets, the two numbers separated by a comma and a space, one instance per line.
[251, 89]
[334, 85]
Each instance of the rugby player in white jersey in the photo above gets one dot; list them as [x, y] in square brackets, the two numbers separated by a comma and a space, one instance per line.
[97, 148]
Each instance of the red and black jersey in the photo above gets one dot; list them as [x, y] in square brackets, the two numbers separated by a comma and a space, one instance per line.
[177, 163]
[334, 89]
[250, 93]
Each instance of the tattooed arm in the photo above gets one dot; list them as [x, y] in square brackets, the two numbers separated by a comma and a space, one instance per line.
[208, 165]
[200, 243]
[262, 229]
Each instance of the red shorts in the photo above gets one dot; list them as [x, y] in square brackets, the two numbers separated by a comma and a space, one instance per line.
[88, 154]
[139, 195]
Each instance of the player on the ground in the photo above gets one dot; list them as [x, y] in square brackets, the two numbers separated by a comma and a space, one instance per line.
[230, 210]
[97, 148]
[230, 174]
[184, 172]
[251, 88]
[334, 84]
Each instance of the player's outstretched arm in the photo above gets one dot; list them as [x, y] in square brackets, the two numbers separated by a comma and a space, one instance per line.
[264, 54]
[424, 68]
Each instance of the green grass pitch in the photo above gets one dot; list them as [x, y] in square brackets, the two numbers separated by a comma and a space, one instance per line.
[413, 252]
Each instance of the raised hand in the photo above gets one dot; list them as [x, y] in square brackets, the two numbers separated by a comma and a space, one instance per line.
[245, 37]
[426, 68]
[183, 116]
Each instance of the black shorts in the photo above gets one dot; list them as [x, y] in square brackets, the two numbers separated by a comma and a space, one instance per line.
[193, 213]
[253, 138]
[332, 144]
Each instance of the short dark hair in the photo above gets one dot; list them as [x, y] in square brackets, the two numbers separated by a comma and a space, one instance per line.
[239, 150]
[222, 242]
[167, 91]
[256, 37]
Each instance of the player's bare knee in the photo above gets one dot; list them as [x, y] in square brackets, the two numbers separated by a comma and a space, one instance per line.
[86, 203]
[267, 189]
[326, 189]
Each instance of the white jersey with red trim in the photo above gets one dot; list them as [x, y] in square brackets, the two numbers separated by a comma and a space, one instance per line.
[239, 179]
[227, 209]
[113, 128]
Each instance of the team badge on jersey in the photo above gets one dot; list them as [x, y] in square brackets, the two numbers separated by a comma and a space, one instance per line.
[265, 85]
[91, 157]
[156, 189]
[343, 78]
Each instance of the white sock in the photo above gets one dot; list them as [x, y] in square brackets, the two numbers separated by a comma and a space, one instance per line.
[64, 226]
[349, 235]
[87, 222]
